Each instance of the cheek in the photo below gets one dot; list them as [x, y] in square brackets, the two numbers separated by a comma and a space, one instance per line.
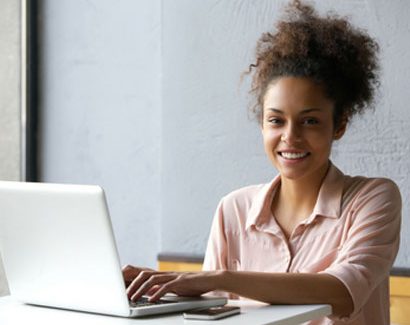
[270, 139]
[322, 142]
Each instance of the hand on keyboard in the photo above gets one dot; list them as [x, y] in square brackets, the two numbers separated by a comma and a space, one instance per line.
[156, 284]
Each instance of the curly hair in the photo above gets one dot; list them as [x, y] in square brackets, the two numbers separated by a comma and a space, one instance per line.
[329, 50]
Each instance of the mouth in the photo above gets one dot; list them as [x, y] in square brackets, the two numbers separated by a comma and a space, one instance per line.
[293, 155]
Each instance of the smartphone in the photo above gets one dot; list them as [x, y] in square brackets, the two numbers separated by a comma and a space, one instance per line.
[212, 312]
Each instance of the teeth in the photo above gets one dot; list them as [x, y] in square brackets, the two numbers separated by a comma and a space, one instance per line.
[293, 155]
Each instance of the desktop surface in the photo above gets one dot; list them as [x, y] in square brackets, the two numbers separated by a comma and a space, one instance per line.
[252, 312]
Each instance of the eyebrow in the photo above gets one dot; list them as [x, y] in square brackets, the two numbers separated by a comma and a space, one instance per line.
[305, 111]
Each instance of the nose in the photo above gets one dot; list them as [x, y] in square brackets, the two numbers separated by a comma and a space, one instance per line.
[291, 134]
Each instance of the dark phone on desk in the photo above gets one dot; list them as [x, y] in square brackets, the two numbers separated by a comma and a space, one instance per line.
[212, 312]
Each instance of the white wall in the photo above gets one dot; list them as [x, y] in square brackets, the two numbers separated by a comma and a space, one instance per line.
[166, 149]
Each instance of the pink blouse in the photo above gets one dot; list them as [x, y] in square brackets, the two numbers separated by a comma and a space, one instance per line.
[352, 234]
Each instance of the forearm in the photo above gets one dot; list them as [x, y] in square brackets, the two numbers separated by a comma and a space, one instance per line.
[288, 288]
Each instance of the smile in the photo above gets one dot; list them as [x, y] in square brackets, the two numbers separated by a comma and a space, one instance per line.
[293, 155]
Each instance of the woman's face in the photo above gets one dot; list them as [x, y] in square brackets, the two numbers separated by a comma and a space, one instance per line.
[298, 128]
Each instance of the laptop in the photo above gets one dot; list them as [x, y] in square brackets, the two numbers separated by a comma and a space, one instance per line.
[58, 250]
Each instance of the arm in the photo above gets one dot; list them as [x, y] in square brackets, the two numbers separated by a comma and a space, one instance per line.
[369, 248]
[273, 288]
[289, 288]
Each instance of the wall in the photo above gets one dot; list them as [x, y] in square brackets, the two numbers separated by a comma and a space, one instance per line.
[100, 110]
[144, 99]
[9, 99]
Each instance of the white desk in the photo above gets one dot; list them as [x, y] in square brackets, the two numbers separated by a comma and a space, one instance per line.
[14, 313]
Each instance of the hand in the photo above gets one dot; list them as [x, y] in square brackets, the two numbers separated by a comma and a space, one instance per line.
[130, 272]
[158, 284]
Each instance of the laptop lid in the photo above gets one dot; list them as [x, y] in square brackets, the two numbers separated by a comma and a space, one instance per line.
[58, 247]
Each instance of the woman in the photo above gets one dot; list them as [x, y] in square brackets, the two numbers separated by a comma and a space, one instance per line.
[312, 235]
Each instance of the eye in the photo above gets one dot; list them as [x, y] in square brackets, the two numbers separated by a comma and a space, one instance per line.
[275, 121]
[310, 121]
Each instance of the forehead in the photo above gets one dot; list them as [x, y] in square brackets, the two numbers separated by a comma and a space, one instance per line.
[294, 93]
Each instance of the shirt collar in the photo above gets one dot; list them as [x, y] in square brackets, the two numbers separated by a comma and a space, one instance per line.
[328, 203]
[329, 200]
[259, 212]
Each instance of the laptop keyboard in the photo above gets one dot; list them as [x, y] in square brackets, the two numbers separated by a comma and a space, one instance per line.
[143, 301]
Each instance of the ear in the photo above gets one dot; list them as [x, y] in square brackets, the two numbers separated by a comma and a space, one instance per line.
[341, 129]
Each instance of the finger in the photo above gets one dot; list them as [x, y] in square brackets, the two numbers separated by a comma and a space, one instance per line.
[129, 269]
[164, 289]
[133, 271]
[152, 290]
[138, 281]
[150, 283]
[130, 272]
[154, 281]
[126, 274]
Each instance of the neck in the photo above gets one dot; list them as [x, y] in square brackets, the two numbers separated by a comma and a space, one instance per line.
[301, 195]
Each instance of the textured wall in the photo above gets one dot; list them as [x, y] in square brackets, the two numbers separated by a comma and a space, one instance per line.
[209, 146]
[100, 110]
[9, 98]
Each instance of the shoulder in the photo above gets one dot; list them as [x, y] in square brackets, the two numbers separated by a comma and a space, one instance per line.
[372, 195]
[237, 205]
[369, 187]
[244, 193]
[244, 197]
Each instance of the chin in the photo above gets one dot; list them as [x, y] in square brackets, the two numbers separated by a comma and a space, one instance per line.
[296, 174]
[292, 176]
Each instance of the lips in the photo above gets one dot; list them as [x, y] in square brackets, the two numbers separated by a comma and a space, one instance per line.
[293, 155]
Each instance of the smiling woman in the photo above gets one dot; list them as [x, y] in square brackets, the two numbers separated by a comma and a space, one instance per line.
[312, 234]
[298, 132]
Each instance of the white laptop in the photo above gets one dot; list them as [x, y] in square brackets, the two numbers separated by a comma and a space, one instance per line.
[59, 250]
